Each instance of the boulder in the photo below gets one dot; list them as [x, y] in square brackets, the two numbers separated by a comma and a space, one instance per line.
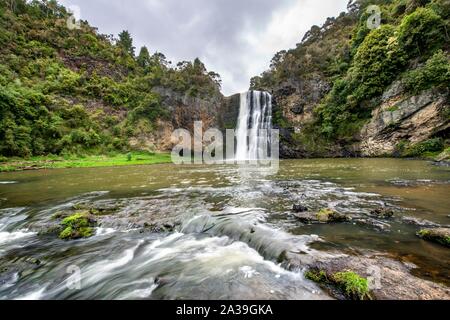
[438, 235]
[323, 216]
[382, 213]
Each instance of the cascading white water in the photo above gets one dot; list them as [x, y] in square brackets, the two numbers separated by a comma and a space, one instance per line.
[254, 124]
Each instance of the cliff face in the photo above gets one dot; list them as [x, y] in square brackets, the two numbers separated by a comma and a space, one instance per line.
[405, 119]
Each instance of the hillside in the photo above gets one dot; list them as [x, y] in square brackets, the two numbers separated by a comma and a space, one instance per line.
[347, 90]
[67, 91]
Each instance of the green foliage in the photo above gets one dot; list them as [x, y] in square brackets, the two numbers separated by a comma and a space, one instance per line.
[125, 42]
[319, 276]
[421, 32]
[76, 92]
[435, 73]
[377, 62]
[435, 145]
[361, 67]
[143, 59]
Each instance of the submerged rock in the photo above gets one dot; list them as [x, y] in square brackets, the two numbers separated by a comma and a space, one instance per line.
[373, 223]
[438, 235]
[298, 208]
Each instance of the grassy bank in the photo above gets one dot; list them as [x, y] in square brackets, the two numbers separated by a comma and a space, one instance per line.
[52, 162]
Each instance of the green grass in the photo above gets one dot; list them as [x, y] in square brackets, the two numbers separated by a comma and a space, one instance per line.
[54, 162]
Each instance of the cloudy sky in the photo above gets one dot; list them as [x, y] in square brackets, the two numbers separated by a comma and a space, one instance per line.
[236, 38]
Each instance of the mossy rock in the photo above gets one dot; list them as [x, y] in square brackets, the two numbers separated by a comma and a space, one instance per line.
[438, 235]
[328, 215]
[318, 276]
[77, 226]
[349, 283]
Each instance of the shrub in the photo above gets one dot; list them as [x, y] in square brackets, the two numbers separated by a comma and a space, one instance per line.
[420, 149]
[421, 32]
[435, 73]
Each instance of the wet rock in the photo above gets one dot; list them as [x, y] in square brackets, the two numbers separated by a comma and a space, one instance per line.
[438, 235]
[388, 279]
[419, 222]
[382, 213]
[323, 216]
[100, 208]
[12, 267]
[298, 208]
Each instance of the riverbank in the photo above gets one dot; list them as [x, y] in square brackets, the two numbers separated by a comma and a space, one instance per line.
[91, 161]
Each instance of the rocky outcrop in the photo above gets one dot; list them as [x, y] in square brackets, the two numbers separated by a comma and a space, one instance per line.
[400, 118]
[297, 99]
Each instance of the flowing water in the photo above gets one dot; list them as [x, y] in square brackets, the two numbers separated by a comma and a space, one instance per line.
[229, 231]
[254, 123]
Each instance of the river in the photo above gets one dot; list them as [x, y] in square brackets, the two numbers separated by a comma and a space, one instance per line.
[225, 231]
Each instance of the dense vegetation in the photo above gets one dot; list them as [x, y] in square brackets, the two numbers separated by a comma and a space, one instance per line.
[411, 45]
[74, 91]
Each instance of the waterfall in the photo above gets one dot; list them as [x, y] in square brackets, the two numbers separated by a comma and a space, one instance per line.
[254, 124]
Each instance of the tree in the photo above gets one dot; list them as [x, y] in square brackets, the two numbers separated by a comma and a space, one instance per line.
[421, 32]
[125, 42]
[159, 59]
[143, 58]
[216, 78]
[199, 67]
[277, 59]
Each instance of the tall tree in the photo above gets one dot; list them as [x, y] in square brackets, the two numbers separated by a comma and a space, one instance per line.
[143, 58]
[199, 67]
[126, 42]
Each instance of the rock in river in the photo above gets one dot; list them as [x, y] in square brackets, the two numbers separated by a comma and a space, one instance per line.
[438, 235]
[323, 216]
[298, 208]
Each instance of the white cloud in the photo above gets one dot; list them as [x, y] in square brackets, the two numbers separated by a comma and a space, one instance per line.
[237, 39]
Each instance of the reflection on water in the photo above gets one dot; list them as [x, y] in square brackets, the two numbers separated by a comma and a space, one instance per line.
[230, 228]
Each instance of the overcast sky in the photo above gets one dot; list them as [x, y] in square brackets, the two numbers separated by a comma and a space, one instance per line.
[236, 38]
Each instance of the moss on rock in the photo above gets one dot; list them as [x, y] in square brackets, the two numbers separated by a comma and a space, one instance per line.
[328, 215]
[353, 285]
[76, 226]
[438, 235]
[349, 283]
